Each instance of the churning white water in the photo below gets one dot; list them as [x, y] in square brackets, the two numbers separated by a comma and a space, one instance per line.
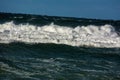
[97, 36]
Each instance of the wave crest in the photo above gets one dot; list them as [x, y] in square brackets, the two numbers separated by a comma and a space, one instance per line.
[97, 36]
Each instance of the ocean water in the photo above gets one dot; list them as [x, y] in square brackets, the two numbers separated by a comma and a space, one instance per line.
[34, 47]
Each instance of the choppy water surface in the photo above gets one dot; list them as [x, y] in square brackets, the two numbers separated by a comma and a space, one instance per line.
[36, 47]
[58, 62]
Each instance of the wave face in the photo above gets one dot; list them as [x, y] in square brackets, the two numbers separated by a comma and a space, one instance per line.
[59, 30]
[97, 36]
[36, 47]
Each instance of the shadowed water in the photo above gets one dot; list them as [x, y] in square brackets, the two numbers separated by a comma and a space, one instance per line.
[19, 61]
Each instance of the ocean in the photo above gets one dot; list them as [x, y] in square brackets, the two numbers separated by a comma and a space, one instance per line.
[41, 47]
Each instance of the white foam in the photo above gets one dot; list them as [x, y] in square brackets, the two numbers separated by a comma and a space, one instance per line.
[97, 36]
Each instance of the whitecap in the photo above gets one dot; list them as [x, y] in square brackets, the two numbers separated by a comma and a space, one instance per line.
[97, 36]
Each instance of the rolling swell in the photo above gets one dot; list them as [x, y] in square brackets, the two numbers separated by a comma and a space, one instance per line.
[21, 59]
[41, 20]
[59, 30]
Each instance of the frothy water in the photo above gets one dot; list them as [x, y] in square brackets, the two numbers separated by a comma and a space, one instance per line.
[36, 47]
[97, 36]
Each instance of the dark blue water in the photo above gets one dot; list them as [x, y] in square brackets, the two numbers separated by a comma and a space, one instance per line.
[58, 62]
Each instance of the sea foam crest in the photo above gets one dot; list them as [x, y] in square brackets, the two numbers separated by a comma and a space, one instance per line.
[97, 36]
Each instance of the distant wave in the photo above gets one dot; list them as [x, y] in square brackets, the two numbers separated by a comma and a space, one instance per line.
[97, 36]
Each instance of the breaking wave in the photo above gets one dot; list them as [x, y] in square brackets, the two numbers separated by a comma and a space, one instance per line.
[97, 36]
